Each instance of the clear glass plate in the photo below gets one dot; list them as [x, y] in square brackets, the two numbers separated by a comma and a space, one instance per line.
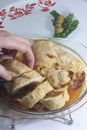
[79, 51]
[16, 115]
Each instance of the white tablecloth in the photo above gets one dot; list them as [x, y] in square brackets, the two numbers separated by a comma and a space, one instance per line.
[79, 8]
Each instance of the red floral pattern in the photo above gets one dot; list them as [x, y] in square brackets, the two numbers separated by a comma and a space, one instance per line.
[45, 5]
[3, 14]
[18, 12]
[1, 26]
[15, 12]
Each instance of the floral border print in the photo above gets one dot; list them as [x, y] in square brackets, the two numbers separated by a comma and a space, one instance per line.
[15, 12]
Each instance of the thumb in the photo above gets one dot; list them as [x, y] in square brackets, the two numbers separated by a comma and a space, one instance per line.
[4, 74]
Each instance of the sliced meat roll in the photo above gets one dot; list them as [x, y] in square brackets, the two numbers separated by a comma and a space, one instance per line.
[49, 55]
[58, 78]
[70, 62]
[45, 56]
[55, 63]
[56, 100]
[15, 67]
[36, 95]
[32, 77]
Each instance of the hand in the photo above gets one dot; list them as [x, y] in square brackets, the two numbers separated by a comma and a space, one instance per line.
[10, 44]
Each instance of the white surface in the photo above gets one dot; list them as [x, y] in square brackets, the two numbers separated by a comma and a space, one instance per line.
[79, 8]
[36, 24]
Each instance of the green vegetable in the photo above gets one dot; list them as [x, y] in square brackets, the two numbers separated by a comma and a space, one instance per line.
[63, 25]
[69, 18]
[55, 14]
[74, 25]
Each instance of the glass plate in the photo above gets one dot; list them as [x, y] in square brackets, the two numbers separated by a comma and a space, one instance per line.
[79, 51]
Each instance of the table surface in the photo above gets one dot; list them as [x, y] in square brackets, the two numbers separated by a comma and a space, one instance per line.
[79, 8]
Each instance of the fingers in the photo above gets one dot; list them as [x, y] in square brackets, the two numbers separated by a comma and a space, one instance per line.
[4, 57]
[30, 58]
[20, 44]
[4, 74]
[21, 39]
[22, 47]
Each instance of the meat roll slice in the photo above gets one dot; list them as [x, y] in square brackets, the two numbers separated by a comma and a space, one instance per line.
[58, 78]
[55, 63]
[15, 67]
[45, 56]
[56, 99]
[32, 77]
[36, 95]
[70, 62]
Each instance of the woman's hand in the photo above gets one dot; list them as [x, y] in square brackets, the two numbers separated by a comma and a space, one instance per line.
[9, 45]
